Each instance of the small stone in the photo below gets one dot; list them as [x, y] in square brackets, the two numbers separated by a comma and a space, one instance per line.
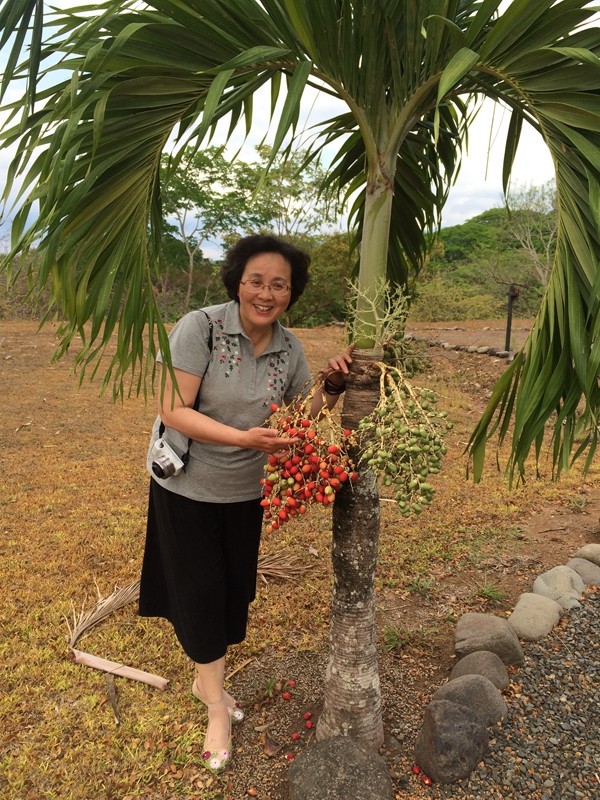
[587, 570]
[562, 584]
[482, 662]
[591, 552]
[534, 616]
[339, 767]
[451, 742]
[487, 632]
[477, 693]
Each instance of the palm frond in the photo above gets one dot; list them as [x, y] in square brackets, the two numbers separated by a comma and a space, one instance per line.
[411, 74]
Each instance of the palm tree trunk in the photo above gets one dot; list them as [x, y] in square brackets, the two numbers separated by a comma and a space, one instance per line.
[352, 705]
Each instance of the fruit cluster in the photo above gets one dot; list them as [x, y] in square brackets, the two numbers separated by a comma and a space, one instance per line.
[402, 440]
[311, 471]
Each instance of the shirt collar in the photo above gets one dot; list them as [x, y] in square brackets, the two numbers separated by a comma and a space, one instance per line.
[232, 324]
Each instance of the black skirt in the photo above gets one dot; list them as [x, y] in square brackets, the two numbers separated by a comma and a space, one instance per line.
[199, 569]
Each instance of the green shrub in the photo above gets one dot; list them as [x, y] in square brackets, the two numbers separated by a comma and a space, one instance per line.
[440, 301]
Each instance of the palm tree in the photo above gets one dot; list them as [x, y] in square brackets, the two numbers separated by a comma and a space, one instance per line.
[105, 93]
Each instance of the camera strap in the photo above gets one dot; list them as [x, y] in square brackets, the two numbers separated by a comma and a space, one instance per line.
[186, 456]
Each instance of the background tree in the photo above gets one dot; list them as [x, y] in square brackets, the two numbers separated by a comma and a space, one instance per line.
[533, 222]
[208, 199]
[289, 192]
[410, 75]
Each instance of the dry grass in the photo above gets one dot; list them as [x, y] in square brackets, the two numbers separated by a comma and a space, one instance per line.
[72, 494]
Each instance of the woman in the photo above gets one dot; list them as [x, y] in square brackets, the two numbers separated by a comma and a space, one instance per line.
[231, 362]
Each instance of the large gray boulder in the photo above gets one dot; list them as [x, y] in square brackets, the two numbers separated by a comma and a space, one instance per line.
[452, 741]
[591, 552]
[587, 570]
[477, 693]
[482, 662]
[337, 769]
[562, 584]
[476, 631]
[534, 616]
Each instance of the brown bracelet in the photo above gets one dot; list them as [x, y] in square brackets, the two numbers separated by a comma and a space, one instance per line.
[333, 388]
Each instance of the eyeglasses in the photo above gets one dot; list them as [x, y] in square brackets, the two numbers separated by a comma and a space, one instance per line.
[278, 288]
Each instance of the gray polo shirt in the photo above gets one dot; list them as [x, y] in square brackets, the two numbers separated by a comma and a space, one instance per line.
[237, 389]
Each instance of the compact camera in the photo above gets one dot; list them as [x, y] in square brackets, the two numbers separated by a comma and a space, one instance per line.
[165, 461]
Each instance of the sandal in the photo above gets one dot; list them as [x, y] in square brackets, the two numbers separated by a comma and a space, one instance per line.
[217, 760]
[236, 711]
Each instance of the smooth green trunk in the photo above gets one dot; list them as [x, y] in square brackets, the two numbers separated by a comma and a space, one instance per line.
[373, 259]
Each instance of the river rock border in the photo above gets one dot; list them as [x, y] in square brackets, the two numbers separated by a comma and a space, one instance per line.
[453, 737]
[498, 352]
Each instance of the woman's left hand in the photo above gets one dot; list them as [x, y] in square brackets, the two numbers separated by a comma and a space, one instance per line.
[338, 364]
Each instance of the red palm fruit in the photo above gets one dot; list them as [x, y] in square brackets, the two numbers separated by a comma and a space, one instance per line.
[343, 476]
[307, 493]
[269, 529]
[306, 468]
[302, 509]
[347, 432]
[338, 469]
[296, 736]
[276, 501]
[265, 503]
[311, 433]
[288, 464]
[305, 423]
[273, 460]
[333, 449]
[283, 514]
[319, 497]
[308, 449]
[301, 433]
[274, 407]
[296, 460]
[335, 484]
[314, 459]
[324, 473]
[354, 476]
[291, 502]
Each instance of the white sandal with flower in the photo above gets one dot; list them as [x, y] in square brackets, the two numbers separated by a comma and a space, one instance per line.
[216, 760]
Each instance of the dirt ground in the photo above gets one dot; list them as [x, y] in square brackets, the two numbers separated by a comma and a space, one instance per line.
[72, 495]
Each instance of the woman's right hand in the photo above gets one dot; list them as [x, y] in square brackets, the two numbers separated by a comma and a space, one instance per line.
[268, 440]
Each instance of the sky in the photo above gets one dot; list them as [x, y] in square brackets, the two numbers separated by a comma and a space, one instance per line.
[479, 184]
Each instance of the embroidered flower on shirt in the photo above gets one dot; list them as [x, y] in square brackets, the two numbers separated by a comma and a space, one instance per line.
[277, 373]
[228, 350]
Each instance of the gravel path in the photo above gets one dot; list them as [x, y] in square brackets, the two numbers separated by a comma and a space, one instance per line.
[548, 747]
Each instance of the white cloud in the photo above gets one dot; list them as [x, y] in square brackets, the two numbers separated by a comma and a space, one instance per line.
[479, 184]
